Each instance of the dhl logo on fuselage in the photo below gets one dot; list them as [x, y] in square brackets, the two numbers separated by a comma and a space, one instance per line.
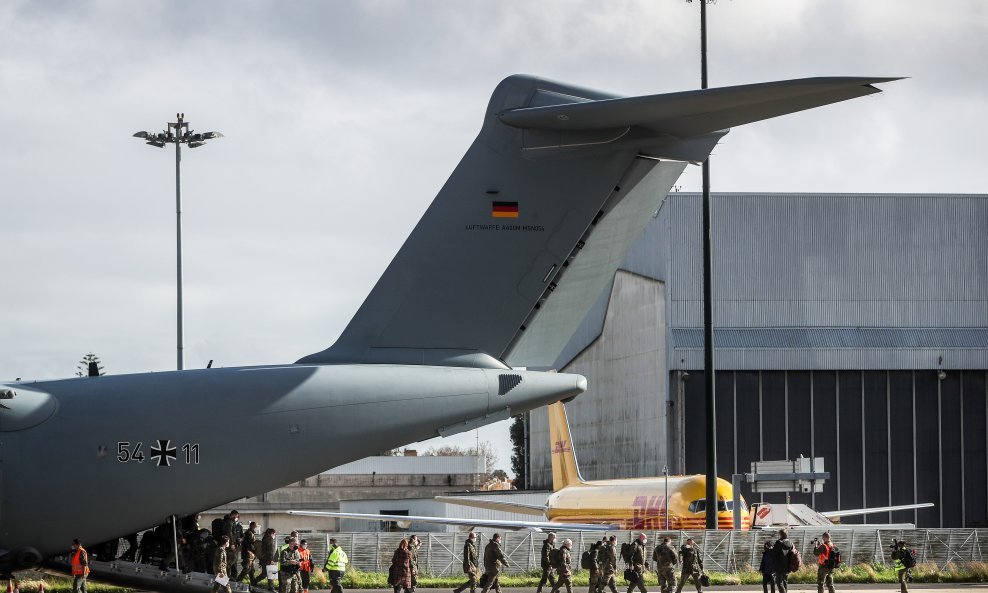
[561, 447]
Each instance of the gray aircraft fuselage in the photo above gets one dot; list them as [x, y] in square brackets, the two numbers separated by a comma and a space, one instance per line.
[71, 468]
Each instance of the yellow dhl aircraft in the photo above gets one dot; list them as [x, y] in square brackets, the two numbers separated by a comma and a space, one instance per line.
[600, 505]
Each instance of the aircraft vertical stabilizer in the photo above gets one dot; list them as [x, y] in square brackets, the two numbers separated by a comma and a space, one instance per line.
[546, 199]
[565, 471]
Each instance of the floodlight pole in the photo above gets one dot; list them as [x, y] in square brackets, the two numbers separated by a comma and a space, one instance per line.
[180, 321]
[708, 310]
[178, 133]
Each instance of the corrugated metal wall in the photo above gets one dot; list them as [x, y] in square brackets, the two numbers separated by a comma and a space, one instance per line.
[618, 425]
[887, 437]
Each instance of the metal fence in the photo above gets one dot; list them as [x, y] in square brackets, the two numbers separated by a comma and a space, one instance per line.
[723, 551]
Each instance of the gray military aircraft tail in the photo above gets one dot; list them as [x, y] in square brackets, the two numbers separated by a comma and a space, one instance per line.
[534, 219]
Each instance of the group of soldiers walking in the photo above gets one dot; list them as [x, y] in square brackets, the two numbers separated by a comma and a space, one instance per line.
[779, 559]
[292, 563]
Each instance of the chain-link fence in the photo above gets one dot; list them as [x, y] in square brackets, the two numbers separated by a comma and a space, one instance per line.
[723, 551]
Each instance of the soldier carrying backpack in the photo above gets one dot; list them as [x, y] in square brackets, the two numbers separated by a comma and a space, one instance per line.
[785, 556]
[904, 560]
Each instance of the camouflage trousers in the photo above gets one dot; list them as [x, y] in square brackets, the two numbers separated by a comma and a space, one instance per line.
[471, 583]
[247, 564]
[824, 577]
[605, 580]
[667, 578]
[548, 576]
[685, 576]
[564, 579]
[289, 582]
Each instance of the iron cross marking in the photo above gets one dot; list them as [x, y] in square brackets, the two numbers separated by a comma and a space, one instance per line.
[164, 453]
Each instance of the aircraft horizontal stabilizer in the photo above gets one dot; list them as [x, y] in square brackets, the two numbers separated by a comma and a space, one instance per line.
[509, 525]
[695, 113]
[496, 505]
[869, 511]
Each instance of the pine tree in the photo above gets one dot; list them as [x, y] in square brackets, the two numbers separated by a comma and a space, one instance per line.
[518, 465]
[83, 368]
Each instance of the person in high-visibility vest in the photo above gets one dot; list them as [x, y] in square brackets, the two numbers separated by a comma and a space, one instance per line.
[305, 564]
[336, 566]
[80, 567]
[825, 565]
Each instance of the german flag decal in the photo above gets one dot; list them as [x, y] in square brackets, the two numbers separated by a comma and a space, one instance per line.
[504, 209]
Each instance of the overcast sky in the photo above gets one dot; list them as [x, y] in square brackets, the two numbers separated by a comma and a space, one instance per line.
[342, 121]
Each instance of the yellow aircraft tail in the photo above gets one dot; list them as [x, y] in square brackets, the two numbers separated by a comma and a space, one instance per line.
[565, 471]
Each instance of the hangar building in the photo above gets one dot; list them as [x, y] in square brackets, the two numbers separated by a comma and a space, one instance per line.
[848, 326]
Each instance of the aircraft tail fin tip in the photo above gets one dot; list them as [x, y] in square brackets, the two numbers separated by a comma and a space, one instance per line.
[565, 469]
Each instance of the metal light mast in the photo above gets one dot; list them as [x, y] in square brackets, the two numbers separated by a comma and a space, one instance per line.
[178, 133]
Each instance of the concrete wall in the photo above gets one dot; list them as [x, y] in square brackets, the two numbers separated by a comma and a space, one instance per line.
[619, 425]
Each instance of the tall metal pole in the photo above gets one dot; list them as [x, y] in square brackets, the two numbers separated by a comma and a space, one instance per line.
[708, 309]
[178, 240]
[665, 504]
[178, 133]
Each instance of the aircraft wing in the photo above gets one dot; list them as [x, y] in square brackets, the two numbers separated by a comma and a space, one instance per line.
[494, 505]
[509, 525]
[868, 511]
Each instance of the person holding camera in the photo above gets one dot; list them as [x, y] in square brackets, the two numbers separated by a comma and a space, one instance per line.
[904, 561]
[825, 559]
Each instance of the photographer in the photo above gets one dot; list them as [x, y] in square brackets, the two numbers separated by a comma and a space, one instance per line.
[826, 563]
[904, 561]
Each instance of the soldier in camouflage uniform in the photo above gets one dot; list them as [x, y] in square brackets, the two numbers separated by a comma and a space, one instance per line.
[248, 553]
[607, 565]
[290, 561]
[414, 543]
[563, 567]
[666, 559]
[235, 531]
[692, 557]
[220, 566]
[470, 564]
[267, 557]
[594, 551]
[638, 563]
[493, 561]
[548, 572]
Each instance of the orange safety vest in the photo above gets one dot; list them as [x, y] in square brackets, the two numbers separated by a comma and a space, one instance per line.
[306, 557]
[78, 568]
[822, 559]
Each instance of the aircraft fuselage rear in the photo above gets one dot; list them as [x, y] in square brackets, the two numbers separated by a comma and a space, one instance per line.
[197, 439]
